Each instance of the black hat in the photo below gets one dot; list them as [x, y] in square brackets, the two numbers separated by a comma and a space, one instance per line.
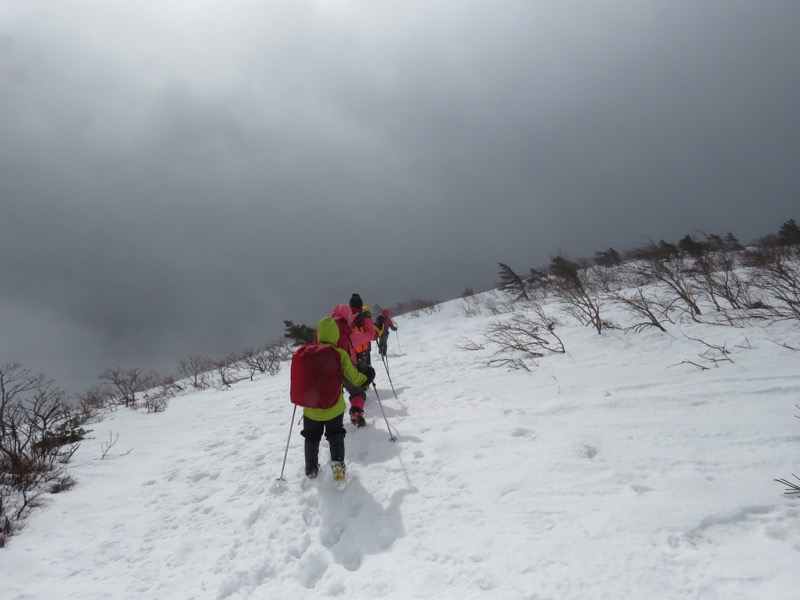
[355, 301]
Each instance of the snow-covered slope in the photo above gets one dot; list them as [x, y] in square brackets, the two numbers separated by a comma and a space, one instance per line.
[616, 470]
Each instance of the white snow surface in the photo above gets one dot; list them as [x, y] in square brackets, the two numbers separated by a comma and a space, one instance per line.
[615, 470]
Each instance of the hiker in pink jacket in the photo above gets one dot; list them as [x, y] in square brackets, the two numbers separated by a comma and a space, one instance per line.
[357, 331]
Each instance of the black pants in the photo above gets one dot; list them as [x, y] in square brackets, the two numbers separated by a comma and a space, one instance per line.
[383, 343]
[357, 391]
[334, 432]
[363, 360]
[354, 390]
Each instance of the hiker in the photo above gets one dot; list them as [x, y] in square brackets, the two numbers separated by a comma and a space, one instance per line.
[382, 325]
[362, 334]
[363, 331]
[328, 375]
[357, 394]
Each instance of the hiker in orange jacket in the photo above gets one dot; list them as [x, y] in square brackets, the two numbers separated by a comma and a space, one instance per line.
[362, 334]
[353, 341]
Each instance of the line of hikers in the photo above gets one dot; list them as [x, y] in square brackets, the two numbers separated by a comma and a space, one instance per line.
[339, 356]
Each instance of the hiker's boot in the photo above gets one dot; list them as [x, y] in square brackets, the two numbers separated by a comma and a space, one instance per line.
[357, 417]
[339, 470]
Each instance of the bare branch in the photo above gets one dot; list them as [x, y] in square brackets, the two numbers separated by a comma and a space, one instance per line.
[522, 339]
[791, 487]
[470, 346]
[106, 446]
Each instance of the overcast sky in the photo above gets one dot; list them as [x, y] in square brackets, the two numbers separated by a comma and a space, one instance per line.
[180, 177]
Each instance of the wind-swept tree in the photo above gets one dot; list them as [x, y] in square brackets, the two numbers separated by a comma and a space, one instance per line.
[714, 271]
[789, 234]
[580, 290]
[607, 258]
[774, 272]
[511, 283]
[563, 268]
[691, 246]
[731, 244]
[298, 334]
[664, 265]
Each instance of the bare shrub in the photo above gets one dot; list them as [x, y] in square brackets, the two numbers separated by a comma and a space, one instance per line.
[6, 527]
[278, 352]
[713, 355]
[62, 484]
[254, 361]
[156, 399]
[433, 309]
[645, 307]
[197, 369]
[108, 444]
[15, 382]
[267, 359]
[227, 370]
[470, 306]
[792, 488]
[663, 266]
[521, 339]
[469, 345]
[775, 272]
[128, 385]
[494, 306]
[581, 291]
[414, 306]
[716, 274]
[170, 385]
[498, 306]
[95, 400]
[39, 434]
[786, 345]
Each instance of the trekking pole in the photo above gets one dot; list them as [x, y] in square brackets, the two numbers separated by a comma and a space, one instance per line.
[285, 454]
[386, 365]
[391, 436]
[398, 342]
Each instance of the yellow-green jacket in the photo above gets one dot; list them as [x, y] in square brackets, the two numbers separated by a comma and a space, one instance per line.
[328, 333]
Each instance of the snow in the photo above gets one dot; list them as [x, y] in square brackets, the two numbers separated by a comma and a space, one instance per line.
[616, 470]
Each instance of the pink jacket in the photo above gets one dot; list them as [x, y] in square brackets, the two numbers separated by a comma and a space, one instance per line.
[357, 338]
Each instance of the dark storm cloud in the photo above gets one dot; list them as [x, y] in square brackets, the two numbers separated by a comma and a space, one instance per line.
[181, 180]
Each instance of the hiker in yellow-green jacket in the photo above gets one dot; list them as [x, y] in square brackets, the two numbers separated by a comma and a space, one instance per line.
[330, 421]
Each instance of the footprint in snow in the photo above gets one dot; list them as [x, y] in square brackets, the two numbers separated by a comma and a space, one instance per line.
[586, 451]
[312, 569]
[524, 433]
[331, 535]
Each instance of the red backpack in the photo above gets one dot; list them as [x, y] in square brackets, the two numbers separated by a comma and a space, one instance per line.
[316, 376]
